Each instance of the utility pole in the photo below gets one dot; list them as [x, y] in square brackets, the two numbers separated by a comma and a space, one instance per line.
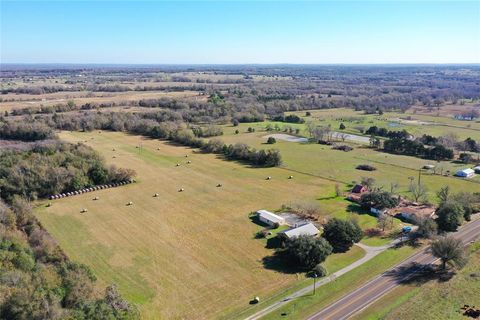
[314, 282]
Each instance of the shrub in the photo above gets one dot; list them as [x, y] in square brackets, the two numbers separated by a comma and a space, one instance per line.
[271, 140]
[319, 271]
[342, 148]
[366, 167]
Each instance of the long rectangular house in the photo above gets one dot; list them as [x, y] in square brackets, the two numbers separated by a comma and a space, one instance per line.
[270, 218]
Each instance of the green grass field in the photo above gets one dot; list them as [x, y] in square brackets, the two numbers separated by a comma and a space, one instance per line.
[416, 124]
[194, 253]
[188, 254]
[323, 161]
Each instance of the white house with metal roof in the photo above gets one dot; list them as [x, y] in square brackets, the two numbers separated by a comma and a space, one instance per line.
[270, 218]
[308, 229]
[465, 173]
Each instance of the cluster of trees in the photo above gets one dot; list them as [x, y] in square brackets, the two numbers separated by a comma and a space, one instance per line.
[54, 167]
[242, 152]
[454, 209]
[25, 130]
[39, 282]
[309, 252]
[417, 149]
[383, 132]
[291, 118]
[208, 131]
[401, 142]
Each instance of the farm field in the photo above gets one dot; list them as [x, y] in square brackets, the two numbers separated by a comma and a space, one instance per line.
[416, 124]
[432, 300]
[323, 161]
[119, 98]
[183, 253]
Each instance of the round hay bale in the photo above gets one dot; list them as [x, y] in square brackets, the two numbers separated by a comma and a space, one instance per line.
[155, 195]
[113, 157]
[158, 148]
[178, 165]
[219, 185]
[290, 177]
[113, 149]
[83, 210]
[130, 203]
[51, 198]
[181, 190]
[186, 156]
[269, 178]
[189, 161]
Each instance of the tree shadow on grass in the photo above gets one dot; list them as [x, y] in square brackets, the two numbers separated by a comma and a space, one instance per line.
[418, 274]
[356, 208]
[254, 218]
[280, 262]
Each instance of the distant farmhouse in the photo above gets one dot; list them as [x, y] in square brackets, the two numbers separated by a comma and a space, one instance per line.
[465, 173]
[270, 218]
[358, 188]
[413, 212]
[356, 193]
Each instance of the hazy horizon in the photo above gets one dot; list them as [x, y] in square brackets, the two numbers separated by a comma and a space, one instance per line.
[240, 33]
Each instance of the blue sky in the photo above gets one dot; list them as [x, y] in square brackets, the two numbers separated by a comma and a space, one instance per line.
[204, 32]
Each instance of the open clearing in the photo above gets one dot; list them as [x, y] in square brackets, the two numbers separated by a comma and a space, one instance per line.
[188, 254]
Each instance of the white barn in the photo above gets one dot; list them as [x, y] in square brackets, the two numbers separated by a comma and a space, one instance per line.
[270, 218]
[304, 230]
[465, 173]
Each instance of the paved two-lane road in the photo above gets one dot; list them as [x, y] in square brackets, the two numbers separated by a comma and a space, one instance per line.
[365, 295]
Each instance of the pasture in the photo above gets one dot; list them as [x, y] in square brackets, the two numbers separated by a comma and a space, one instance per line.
[322, 161]
[189, 254]
[416, 124]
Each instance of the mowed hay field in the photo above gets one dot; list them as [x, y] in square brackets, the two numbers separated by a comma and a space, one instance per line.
[182, 255]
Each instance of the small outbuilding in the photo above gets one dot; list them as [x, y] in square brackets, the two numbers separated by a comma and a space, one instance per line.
[308, 229]
[358, 188]
[270, 218]
[465, 173]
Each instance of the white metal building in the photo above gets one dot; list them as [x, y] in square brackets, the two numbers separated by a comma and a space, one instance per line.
[270, 218]
[304, 230]
[465, 173]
